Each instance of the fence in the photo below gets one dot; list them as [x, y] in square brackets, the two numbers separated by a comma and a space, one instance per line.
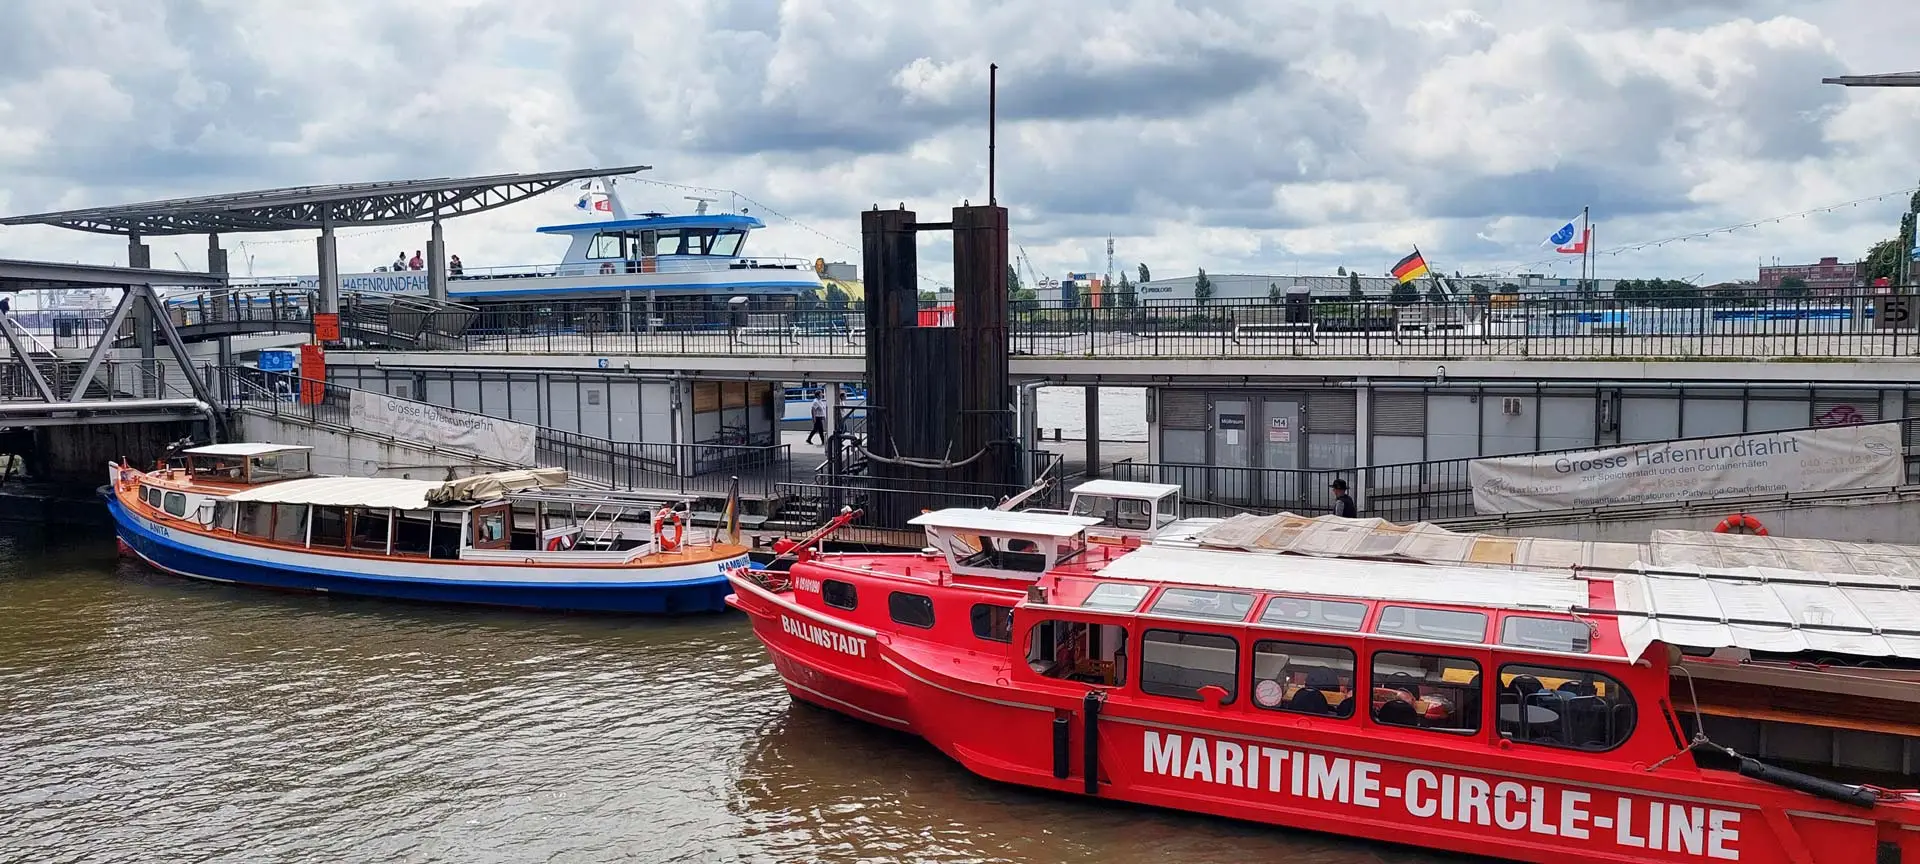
[1405, 492]
[1718, 327]
[681, 469]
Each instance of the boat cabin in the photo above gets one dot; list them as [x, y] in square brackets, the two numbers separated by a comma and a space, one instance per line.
[1127, 507]
[653, 243]
[1002, 544]
[247, 463]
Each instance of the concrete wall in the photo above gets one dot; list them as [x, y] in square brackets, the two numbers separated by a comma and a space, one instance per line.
[1873, 518]
[358, 456]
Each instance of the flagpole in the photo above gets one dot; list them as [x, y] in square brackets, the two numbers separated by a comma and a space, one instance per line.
[1586, 226]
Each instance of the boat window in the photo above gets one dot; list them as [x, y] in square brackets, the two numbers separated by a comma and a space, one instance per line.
[256, 520]
[1426, 692]
[1129, 513]
[668, 243]
[699, 240]
[1115, 597]
[606, 246]
[223, 515]
[838, 594]
[728, 243]
[1314, 614]
[993, 623]
[412, 536]
[329, 527]
[290, 523]
[152, 495]
[278, 466]
[1199, 603]
[1445, 624]
[1177, 663]
[1547, 634]
[1558, 707]
[490, 529]
[913, 610]
[1304, 678]
[1079, 651]
[370, 529]
[176, 504]
[220, 469]
[990, 552]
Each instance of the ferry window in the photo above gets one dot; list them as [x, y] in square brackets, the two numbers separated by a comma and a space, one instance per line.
[329, 526]
[216, 468]
[1176, 663]
[728, 243]
[699, 240]
[1079, 651]
[669, 243]
[370, 529]
[290, 523]
[1128, 513]
[913, 610]
[606, 246]
[1314, 614]
[1426, 692]
[1115, 597]
[1557, 707]
[278, 466]
[1547, 634]
[152, 494]
[413, 536]
[838, 594]
[993, 623]
[223, 515]
[1444, 624]
[1198, 603]
[256, 520]
[176, 504]
[1302, 677]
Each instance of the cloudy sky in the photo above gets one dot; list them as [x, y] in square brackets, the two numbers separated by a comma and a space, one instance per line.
[1266, 136]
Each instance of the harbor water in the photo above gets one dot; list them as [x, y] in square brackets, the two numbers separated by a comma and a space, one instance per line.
[1123, 412]
[149, 718]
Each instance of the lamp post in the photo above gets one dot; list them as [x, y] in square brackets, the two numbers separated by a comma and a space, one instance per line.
[1909, 241]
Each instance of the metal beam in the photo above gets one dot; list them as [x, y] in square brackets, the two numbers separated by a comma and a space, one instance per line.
[25, 359]
[17, 275]
[164, 324]
[1895, 79]
[99, 354]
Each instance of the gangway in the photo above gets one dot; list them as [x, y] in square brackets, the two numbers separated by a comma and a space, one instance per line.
[404, 321]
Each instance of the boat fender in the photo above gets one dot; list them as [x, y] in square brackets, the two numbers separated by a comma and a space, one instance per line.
[1740, 523]
[560, 543]
[1090, 739]
[668, 517]
[1062, 749]
[1857, 796]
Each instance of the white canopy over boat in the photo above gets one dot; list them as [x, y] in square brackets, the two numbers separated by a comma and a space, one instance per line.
[397, 493]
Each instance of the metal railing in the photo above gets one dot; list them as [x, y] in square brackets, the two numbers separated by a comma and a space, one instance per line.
[1599, 328]
[115, 380]
[1402, 493]
[682, 469]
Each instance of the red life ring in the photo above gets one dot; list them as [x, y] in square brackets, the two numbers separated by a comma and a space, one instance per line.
[669, 516]
[606, 268]
[560, 544]
[1740, 523]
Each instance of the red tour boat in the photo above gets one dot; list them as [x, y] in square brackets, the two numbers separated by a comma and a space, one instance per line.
[1523, 714]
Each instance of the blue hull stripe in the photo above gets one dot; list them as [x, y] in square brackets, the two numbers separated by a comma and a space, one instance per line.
[691, 595]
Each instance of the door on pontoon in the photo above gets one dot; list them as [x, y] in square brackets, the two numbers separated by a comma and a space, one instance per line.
[1232, 452]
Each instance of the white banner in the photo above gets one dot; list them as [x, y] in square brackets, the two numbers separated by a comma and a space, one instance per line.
[1761, 463]
[395, 282]
[443, 427]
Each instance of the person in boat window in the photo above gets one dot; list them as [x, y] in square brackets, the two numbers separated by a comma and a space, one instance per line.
[400, 261]
[1342, 502]
[416, 262]
[819, 410]
[454, 268]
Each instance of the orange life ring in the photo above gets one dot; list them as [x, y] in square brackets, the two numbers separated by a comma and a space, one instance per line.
[1740, 523]
[606, 268]
[669, 516]
[560, 544]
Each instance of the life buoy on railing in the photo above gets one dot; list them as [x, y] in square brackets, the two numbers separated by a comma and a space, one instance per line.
[1740, 523]
[606, 268]
[661, 520]
[560, 543]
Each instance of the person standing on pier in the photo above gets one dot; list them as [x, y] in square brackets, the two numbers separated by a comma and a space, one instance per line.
[416, 263]
[1342, 502]
[819, 410]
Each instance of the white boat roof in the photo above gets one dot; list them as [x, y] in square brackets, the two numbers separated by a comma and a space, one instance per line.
[394, 492]
[1769, 609]
[1493, 588]
[244, 448]
[1126, 489]
[1005, 522]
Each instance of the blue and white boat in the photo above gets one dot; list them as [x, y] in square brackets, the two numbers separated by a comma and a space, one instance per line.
[253, 514]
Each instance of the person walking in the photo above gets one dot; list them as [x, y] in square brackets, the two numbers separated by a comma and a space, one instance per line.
[819, 410]
[1342, 502]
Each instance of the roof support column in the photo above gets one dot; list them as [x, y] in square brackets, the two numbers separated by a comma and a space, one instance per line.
[221, 303]
[437, 262]
[139, 255]
[329, 299]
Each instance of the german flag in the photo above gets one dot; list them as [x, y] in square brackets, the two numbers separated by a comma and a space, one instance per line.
[1410, 268]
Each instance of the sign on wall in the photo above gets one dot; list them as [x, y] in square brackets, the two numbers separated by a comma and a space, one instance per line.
[442, 427]
[1764, 463]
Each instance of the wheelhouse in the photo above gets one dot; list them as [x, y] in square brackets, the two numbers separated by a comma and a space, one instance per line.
[247, 464]
[1127, 508]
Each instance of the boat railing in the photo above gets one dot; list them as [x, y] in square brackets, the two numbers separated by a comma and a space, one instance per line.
[415, 281]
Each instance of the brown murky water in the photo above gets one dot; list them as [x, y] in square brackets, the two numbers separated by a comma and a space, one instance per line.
[147, 718]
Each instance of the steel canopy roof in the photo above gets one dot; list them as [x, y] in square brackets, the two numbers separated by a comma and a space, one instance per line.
[314, 207]
[1891, 79]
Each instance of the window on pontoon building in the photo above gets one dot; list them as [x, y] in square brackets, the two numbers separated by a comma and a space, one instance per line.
[256, 520]
[1314, 614]
[1426, 691]
[1178, 663]
[1203, 603]
[370, 529]
[1558, 707]
[329, 527]
[1304, 678]
[1115, 597]
[913, 610]
[1447, 625]
[175, 504]
[1079, 651]
[993, 623]
[1547, 634]
[290, 523]
[839, 595]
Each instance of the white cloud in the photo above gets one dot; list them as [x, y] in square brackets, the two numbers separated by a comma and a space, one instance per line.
[1255, 136]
